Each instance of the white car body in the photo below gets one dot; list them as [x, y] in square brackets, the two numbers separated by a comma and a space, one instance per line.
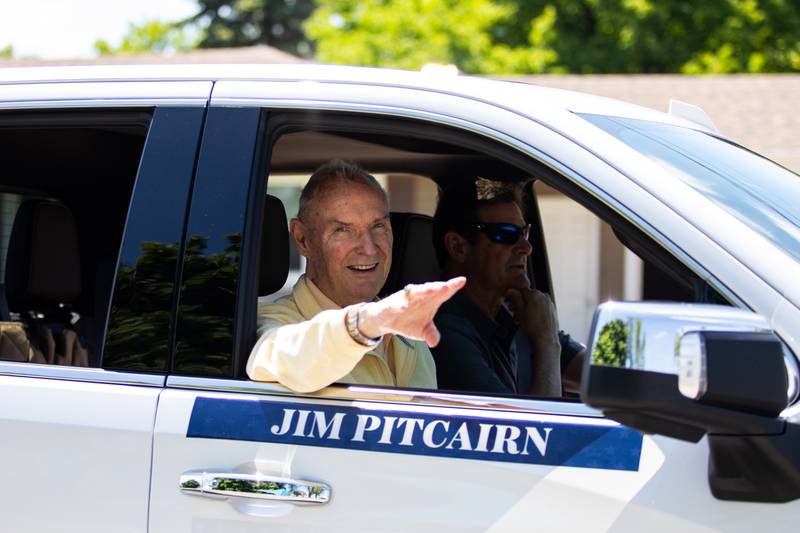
[100, 450]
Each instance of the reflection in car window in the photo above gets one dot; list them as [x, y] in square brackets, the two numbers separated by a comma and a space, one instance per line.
[760, 193]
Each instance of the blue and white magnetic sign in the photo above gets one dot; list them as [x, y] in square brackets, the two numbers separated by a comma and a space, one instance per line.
[516, 441]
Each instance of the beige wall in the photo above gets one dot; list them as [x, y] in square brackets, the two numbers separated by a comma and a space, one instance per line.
[413, 194]
[588, 264]
[572, 235]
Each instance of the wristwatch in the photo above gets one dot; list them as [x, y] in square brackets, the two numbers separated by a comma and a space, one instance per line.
[351, 320]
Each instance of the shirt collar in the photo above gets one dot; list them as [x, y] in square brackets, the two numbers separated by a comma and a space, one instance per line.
[310, 299]
[322, 300]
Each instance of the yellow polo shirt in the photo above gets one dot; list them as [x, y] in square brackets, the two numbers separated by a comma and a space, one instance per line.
[304, 345]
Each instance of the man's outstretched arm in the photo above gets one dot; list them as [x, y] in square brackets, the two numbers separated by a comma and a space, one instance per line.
[409, 312]
[311, 354]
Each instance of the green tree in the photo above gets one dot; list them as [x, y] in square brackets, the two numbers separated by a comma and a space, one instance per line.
[611, 347]
[753, 36]
[582, 36]
[151, 36]
[471, 34]
[277, 23]
[7, 51]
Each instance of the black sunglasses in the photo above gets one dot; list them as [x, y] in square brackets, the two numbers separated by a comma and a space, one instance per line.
[503, 233]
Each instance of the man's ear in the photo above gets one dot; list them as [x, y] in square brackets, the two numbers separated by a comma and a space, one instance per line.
[300, 234]
[457, 246]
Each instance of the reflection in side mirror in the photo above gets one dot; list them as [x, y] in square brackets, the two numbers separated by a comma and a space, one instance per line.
[692, 370]
[647, 336]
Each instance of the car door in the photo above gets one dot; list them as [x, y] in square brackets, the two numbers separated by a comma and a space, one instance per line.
[391, 460]
[378, 464]
[76, 441]
[234, 455]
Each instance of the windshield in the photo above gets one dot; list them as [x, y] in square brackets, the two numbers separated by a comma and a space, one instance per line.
[760, 193]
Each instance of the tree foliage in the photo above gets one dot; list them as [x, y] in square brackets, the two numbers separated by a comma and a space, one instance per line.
[152, 36]
[139, 325]
[277, 23]
[611, 347]
[138, 333]
[410, 33]
[498, 36]
[558, 36]
[7, 51]
[207, 305]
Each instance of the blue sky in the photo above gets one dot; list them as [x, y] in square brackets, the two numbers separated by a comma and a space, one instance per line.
[55, 29]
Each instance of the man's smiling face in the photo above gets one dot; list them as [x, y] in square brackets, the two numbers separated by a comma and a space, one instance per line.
[347, 242]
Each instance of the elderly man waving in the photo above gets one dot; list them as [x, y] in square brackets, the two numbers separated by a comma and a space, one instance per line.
[332, 328]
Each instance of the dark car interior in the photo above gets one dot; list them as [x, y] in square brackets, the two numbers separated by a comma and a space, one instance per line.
[66, 184]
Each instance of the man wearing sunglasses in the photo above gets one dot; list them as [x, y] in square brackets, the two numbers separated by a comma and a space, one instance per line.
[498, 334]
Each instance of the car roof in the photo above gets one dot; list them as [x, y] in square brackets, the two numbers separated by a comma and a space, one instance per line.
[513, 95]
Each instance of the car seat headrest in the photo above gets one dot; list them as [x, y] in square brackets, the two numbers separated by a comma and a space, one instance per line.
[43, 262]
[413, 255]
[274, 259]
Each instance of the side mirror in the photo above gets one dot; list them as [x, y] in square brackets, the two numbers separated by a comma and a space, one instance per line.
[690, 370]
[684, 370]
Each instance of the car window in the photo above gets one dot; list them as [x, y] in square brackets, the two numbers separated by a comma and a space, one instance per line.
[65, 187]
[581, 261]
[760, 193]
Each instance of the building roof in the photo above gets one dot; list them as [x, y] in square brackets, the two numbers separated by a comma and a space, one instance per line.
[245, 54]
[759, 111]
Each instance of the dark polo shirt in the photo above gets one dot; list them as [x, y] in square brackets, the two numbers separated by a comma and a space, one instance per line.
[479, 354]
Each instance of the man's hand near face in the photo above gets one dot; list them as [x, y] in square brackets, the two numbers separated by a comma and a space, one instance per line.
[537, 317]
[408, 312]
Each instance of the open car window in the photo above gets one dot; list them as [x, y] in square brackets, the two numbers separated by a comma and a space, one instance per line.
[579, 258]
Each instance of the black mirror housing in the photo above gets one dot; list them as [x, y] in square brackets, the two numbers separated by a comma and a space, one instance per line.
[745, 372]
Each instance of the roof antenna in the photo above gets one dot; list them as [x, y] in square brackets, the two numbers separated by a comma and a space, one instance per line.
[692, 113]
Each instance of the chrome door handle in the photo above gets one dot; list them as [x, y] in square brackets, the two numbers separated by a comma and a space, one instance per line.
[254, 486]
